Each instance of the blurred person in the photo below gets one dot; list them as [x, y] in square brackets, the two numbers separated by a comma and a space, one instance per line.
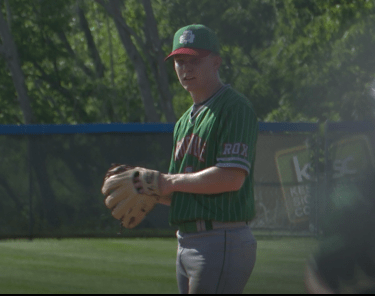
[345, 259]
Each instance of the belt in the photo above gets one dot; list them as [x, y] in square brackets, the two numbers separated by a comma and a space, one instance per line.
[206, 225]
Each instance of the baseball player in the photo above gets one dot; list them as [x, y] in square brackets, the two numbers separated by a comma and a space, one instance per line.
[211, 172]
[210, 184]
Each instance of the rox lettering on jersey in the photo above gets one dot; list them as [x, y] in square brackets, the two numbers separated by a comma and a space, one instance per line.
[194, 145]
[191, 144]
[236, 148]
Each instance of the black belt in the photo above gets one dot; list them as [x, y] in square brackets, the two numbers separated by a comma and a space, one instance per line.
[206, 225]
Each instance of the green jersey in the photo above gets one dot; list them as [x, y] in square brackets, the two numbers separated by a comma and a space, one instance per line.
[222, 132]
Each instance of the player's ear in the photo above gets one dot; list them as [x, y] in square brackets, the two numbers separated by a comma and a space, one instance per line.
[174, 67]
[217, 60]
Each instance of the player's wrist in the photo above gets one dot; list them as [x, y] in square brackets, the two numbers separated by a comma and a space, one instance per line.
[167, 184]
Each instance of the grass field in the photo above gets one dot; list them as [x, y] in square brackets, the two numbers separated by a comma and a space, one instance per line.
[135, 265]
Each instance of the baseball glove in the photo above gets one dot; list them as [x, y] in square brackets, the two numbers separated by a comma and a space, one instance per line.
[127, 204]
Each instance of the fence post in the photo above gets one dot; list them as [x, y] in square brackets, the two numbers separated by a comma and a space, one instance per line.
[317, 179]
[31, 217]
[327, 169]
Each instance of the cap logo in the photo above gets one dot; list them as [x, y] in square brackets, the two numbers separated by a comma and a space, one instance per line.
[187, 37]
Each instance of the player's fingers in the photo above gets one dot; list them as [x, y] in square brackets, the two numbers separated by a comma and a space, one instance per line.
[109, 186]
[115, 197]
[138, 185]
[112, 183]
[122, 209]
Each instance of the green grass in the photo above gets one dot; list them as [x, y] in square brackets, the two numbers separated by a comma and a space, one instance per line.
[280, 264]
[136, 265]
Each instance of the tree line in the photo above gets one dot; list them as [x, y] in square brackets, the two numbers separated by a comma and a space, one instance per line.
[79, 61]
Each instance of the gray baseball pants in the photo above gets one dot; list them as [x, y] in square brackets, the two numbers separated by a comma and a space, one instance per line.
[215, 262]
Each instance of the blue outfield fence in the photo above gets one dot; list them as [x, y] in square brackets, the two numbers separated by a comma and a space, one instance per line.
[350, 126]
[93, 128]
[51, 174]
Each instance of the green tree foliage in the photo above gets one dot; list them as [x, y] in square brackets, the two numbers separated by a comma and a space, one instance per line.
[62, 77]
[322, 57]
[245, 29]
[296, 60]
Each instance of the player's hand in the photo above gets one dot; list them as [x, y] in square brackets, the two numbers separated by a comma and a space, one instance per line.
[123, 193]
[164, 185]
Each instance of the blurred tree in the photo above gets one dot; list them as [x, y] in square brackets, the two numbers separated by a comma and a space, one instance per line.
[245, 29]
[147, 45]
[9, 51]
[295, 60]
[102, 61]
[322, 56]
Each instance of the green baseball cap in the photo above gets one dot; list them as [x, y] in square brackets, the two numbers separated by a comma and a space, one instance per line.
[196, 40]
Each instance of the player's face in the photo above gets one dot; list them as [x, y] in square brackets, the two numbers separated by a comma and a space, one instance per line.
[196, 74]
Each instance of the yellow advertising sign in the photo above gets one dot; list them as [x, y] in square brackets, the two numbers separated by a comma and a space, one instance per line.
[350, 156]
[293, 170]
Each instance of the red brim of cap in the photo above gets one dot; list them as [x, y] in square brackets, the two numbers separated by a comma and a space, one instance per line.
[197, 52]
